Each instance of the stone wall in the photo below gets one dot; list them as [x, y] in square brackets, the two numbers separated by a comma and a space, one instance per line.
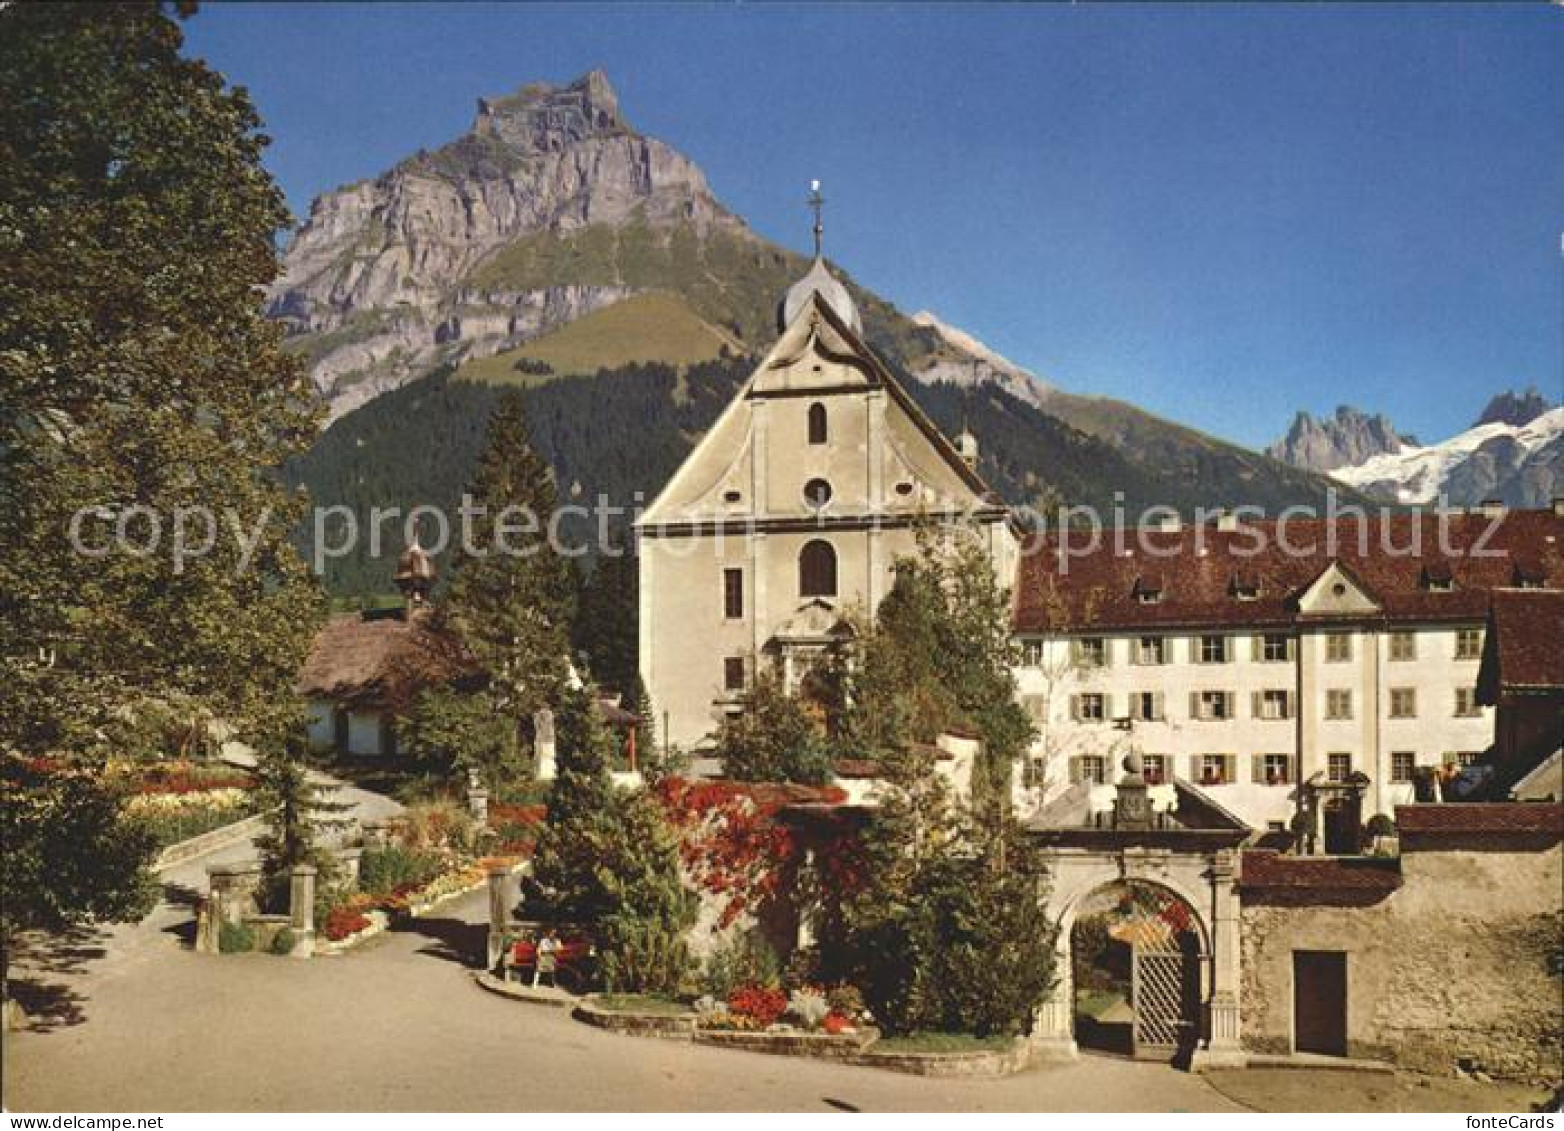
[1453, 968]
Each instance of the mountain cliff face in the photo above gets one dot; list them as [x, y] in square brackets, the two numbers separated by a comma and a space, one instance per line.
[377, 284]
[1515, 409]
[1343, 440]
[1521, 465]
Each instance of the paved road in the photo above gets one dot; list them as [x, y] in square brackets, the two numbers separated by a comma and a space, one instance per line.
[399, 1025]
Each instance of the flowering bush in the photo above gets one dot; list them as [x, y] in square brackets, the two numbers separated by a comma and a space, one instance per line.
[345, 920]
[733, 843]
[835, 1023]
[808, 1007]
[761, 1005]
[516, 827]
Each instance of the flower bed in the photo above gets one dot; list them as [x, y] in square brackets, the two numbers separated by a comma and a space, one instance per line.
[179, 801]
[356, 915]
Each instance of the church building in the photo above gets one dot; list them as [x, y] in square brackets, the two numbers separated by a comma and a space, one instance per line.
[791, 512]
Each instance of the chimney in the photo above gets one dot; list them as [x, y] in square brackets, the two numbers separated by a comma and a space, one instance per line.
[1493, 508]
[1558, 505]
[1169, 524]
[1226, 520]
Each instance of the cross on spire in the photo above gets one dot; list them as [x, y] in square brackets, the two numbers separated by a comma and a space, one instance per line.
[817, 204]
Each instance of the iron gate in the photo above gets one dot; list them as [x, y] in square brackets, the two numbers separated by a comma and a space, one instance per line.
[1164, 975]
[1158, 985]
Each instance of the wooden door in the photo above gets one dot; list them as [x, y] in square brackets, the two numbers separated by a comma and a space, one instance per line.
[1319, 1001]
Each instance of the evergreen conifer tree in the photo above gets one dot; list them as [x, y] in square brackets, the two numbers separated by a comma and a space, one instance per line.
[511, 598]
[608, 859]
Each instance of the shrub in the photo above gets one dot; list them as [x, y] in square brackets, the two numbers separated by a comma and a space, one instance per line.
[381, 871]
[846, 1000]
[747, 960]
[436, 825]
[762, 1005]
[284, 941]
[234, 938]
[1380, 824]
[773, 738]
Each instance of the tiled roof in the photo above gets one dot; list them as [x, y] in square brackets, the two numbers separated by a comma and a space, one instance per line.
[1466, 818]
[1526, 639]
[1075, 586]
[378, 660]
[1268, 870]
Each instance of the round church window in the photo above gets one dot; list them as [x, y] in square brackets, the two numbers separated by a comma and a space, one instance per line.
[817, 493]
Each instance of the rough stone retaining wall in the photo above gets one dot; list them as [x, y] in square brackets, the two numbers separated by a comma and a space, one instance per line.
[950, 1064]
[669, 1026]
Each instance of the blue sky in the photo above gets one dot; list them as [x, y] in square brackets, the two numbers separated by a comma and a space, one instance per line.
[1221, 214]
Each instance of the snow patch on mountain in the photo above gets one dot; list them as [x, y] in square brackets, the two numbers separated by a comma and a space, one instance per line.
[991, 365]
[1496, 457]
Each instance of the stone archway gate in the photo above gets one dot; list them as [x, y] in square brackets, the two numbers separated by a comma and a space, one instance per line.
[1198, 867]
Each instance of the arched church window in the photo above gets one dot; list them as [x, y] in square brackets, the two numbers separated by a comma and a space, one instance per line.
[817, 569]
[817, 423]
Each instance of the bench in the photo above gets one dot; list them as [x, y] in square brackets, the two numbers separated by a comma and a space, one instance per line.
[570, 961]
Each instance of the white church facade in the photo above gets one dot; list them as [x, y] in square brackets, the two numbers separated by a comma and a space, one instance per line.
[790, 513]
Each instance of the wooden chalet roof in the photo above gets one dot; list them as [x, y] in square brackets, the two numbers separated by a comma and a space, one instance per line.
[379, 660]
[1065, 584]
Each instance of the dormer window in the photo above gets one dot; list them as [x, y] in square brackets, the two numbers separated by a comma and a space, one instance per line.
[1148, 590]
[1529, 575]
[1244, 587]
[1437, 578]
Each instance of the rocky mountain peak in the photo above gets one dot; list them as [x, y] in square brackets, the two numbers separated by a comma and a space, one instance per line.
[1515, 409]
[1348, 437]
[543, 118]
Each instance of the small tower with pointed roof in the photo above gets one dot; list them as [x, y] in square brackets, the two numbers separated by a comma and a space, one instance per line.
[415, 575]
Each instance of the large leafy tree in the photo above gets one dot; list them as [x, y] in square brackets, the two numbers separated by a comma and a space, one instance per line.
[70, 855]
[141, 389]
[139, 379]
[512, 592]
[772, 737]
[938, 656]
[945, 928]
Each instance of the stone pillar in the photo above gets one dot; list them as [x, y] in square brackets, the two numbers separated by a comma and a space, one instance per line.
[1224, 1044]
[1053, 1035]
[301, 909]
[499, 918]
[231, 897]
[477, 797]
[543, 754]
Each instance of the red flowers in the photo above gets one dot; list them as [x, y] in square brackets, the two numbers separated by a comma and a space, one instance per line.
[343, 921]
[835, 1023]
[762, 1005]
